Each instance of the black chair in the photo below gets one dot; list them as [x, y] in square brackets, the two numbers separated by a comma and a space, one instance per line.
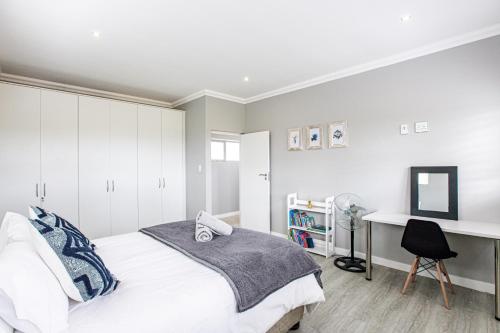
[427, 242]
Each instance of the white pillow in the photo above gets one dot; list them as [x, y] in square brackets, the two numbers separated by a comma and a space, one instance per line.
[54, 263]
[5, 328]
[31, 298]
[15, 228]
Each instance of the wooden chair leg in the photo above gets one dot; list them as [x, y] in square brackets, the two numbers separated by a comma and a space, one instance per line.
[445, 272]
[416, 270]
[410, 274]
[441, 283]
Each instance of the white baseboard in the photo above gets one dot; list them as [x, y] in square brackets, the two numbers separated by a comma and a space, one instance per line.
[279, 234]
[458, 280]
[221, 216]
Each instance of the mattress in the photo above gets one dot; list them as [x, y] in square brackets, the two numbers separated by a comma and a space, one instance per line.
[162, 290]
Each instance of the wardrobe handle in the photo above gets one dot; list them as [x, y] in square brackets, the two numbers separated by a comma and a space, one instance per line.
[44, 189]
[113, 185]
[107, 185]
[163, 182]
[36, 190]
[159, 182]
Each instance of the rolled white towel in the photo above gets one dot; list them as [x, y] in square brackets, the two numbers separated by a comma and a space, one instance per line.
[203, 233]
[218, 226]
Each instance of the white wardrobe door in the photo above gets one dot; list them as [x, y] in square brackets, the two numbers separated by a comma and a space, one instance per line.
[174, 194]
[150, 173]
[123, 167]
[59, 153]
[94, 166]
[19, 148]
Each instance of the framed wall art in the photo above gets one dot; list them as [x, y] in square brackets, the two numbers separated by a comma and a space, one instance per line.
[314, 137]
[295, 139]
[337, 134]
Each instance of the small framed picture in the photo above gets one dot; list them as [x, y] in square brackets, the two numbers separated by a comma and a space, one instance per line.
[337, 134]
[314, 137]
[295, 139]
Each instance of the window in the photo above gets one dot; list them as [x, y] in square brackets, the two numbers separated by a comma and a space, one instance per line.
[232, 151]
[225, 151]
[217, 150]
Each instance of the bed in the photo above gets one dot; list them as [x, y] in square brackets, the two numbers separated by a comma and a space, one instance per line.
[162, 290]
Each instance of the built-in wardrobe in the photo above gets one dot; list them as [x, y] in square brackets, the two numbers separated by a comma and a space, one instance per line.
[108, 166]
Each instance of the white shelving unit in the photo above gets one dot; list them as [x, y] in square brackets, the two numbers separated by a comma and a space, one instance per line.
[324, 246]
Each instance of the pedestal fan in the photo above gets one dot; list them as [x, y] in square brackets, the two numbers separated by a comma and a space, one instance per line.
[348, 213]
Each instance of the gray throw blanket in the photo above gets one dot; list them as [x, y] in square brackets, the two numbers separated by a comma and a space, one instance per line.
[253, 263]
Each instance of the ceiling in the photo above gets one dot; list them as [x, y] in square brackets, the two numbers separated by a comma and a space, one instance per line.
[169, 49]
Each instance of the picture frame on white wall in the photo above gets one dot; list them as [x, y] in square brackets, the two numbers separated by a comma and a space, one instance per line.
[294, 139]
[314, 137]
[338, 135]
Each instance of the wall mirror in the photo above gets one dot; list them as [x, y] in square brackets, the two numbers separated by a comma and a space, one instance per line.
[434, 192]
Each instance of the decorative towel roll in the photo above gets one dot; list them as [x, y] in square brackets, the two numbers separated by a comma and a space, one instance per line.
[217, 226]
[203, 233]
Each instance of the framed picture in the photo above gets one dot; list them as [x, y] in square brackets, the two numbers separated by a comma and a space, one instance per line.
[337, 134]
[314, 137]
[295, 139]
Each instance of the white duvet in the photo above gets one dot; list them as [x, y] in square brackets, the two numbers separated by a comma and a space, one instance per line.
[164, 291]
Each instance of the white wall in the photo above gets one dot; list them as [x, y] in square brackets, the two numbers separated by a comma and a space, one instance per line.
[457, 91]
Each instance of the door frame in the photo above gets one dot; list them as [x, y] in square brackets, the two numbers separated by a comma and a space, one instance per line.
[208, 167]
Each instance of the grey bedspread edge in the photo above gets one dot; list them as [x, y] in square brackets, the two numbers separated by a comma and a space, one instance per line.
[254, 264]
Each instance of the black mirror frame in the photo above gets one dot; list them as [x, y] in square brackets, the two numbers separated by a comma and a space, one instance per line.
[452, 213]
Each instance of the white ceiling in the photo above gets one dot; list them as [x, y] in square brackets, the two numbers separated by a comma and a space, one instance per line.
[167, 50]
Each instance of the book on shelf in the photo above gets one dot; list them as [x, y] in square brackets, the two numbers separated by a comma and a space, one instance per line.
[299, 218]
[320, 227]
[303, 238]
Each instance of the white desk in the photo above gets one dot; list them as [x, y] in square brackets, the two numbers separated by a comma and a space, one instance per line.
[468, 228]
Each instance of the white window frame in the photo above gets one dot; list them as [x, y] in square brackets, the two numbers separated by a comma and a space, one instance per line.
[224, 159]
[223, 151]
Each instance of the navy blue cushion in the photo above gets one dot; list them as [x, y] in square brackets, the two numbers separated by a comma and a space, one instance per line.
[57, 221]
[85, 268]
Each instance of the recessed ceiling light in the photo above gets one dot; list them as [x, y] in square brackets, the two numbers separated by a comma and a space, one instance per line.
[246, 79]
[96, 33]
[405, 18]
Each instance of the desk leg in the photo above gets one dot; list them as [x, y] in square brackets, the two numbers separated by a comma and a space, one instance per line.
[497, 279]
[369, 250]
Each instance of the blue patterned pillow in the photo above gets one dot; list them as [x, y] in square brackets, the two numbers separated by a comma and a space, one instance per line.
[38, 213]
[79, 269]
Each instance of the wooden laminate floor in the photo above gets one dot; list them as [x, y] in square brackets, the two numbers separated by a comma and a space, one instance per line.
[356, 305]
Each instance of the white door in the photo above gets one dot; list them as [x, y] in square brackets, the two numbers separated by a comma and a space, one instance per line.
[123, 167]
[59, 153]
[173, 182]
[94, 167]
[19, 148]
[149, 166]
[255, 203]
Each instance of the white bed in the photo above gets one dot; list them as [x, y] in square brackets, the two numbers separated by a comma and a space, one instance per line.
[162, 290]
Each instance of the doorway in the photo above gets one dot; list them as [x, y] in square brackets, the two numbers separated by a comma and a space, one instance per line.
[225, 168]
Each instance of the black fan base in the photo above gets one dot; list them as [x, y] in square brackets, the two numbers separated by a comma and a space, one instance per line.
[351, 264]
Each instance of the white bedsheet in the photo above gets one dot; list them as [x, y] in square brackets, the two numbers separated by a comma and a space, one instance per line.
[164, 291]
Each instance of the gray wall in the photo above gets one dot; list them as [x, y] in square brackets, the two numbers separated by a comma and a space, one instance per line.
[225, 187]
[224, 115]
[195, 155]
[202, 116]
[457, 91]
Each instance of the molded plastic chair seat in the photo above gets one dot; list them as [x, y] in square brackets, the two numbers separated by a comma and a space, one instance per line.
[426, 240]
